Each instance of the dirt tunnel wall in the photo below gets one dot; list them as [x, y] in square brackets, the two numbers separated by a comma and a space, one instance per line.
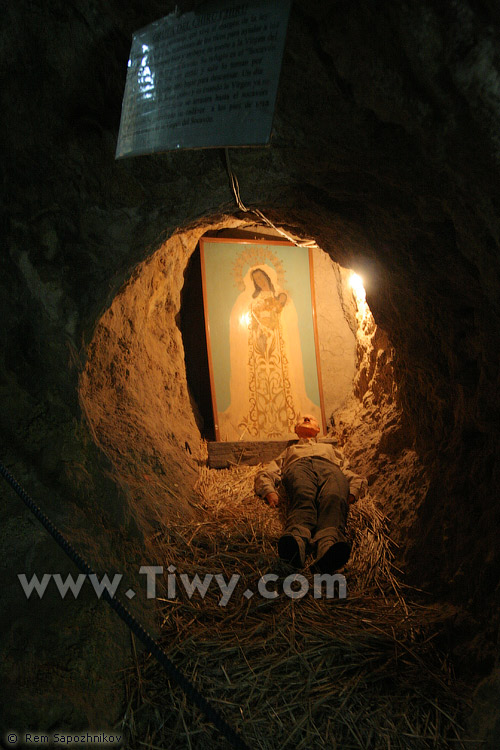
[385, 151]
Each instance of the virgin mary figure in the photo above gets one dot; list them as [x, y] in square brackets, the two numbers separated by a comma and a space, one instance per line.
[267, 385]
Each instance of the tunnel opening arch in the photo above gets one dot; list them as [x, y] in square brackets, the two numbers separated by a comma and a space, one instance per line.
[140, 388]
[144, 417]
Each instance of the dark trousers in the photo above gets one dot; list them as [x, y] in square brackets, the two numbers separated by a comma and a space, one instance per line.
[317, 491]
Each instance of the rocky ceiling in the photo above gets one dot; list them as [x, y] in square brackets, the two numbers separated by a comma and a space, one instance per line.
[386, 151]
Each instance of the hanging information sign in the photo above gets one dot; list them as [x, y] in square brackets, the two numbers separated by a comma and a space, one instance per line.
[204, 79]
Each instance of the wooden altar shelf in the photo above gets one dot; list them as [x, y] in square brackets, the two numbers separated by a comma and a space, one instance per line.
[224, 455]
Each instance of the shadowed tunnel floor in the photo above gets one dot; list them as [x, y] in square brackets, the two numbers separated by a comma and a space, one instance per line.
[366, 670]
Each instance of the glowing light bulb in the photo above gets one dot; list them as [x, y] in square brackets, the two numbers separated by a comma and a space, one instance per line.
[356, 283]
[245, 319]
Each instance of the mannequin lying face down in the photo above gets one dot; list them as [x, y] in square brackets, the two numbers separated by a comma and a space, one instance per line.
[319, 486]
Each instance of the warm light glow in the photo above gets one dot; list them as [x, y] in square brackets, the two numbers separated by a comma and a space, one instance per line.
[245, 319]
[356, 283]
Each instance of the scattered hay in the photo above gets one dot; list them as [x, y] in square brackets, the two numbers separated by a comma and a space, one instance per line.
[358, 672]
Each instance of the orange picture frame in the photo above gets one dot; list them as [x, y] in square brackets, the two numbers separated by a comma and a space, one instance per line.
[261, 336]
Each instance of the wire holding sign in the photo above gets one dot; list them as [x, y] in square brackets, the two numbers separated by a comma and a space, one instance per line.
[204, 80]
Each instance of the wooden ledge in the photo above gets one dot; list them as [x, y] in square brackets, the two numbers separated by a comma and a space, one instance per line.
[223, 455]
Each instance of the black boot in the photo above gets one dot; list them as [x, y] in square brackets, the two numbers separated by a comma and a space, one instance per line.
[292, 549]
[332, 555]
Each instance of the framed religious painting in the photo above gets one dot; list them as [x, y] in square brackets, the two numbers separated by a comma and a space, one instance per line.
[260, 323]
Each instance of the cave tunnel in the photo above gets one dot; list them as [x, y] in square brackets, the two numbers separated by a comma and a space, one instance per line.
[384, 154]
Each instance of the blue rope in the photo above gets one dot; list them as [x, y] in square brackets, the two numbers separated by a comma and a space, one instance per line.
[128, 618]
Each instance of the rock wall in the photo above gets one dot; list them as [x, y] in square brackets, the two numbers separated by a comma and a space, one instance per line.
[385, 150]
[336, 339]
[133, 388]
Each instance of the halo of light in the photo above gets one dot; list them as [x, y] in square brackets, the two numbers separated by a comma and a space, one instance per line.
[245, 319]
[356, 283]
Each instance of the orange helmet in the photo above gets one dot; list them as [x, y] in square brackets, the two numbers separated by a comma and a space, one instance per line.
[307, 426]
